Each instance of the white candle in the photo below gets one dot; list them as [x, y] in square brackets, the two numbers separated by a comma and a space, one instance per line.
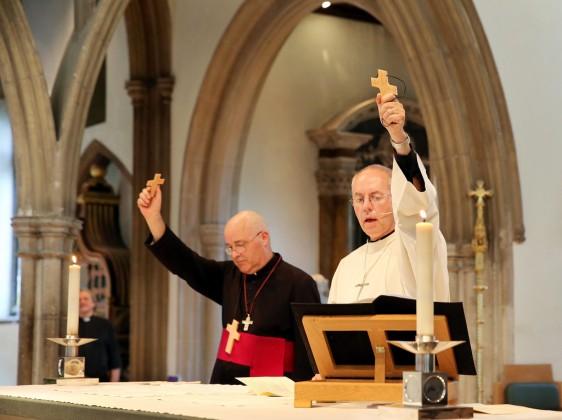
[424, 277]
[73, 298]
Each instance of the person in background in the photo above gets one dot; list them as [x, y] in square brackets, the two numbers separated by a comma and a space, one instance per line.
[102, 359]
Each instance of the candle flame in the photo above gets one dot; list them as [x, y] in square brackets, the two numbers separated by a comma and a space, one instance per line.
[423, 215]
[74, 259]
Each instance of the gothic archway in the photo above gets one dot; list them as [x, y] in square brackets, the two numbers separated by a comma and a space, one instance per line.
[47, 137]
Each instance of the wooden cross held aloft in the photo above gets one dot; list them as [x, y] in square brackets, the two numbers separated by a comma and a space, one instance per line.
[381, 82]
[153, 183]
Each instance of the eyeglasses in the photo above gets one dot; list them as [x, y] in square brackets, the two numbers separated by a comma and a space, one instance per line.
[240, 247]
[377, 200]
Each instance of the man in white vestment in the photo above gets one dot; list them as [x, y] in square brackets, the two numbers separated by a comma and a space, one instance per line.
[387, 203]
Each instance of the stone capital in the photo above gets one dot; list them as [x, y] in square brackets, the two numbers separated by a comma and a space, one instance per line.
[137, 90]
[45, 237]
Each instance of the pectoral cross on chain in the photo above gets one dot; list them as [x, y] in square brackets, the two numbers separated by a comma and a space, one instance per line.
[381, 82]
[233, 335]
[154, 182]
[361, 285]
[247, 322]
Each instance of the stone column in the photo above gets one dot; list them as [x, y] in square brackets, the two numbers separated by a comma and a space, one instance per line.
[44, 248]
[149, 279]
[336, 167]
[460, 264]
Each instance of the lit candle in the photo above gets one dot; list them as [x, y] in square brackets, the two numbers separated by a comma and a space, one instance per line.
[73, 298]
[424, 277]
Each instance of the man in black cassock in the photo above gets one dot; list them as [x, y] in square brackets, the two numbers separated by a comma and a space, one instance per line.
[255, 289]
[102, 358]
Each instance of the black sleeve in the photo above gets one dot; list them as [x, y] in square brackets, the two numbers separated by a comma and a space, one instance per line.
[203, 275]
[409, 166]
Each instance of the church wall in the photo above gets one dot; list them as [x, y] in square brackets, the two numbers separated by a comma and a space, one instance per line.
[50, 39]
[523, 39]
[116, 132]
[197, 29]
[9, 353]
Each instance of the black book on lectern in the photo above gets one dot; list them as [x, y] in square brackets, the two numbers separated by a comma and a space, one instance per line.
[354, 347]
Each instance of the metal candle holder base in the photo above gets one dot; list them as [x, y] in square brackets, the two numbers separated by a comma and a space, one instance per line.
[71, 366]
[425, 387]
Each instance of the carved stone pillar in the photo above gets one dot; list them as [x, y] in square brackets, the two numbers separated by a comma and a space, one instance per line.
[149, 279]
[44, 248]
[460, 263]
[336, 167]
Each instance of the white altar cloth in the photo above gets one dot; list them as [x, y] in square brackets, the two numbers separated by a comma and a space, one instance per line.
[232, 402]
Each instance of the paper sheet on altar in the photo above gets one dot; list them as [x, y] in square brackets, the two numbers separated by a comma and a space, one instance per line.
[270, 386]
[498, 409]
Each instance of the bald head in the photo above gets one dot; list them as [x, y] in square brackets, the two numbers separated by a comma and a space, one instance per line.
[247, 235]
[247, 220]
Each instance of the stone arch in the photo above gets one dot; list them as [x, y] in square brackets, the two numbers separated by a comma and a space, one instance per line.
[460, 97]
[98, 153]
[74, 87]
[47, 138]
[27, 98]
[47, 135]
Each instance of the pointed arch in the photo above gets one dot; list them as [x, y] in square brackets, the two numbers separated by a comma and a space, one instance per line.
[49, 142]
[74, 87]
[27, 98]
[98, 153]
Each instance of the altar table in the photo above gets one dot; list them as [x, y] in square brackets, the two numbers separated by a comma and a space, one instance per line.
[182, 400]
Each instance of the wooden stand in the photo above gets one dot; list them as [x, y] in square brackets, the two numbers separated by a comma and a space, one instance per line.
[381, 382]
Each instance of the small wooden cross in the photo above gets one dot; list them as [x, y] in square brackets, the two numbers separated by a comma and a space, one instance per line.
[381, 82]
[247, 322]
[153, 183]
[233, 334]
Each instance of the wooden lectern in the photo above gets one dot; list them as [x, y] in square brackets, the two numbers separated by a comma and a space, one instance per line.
[348, 346]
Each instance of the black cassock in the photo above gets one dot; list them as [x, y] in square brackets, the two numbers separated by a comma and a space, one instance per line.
[101, 355]
[268, 302]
